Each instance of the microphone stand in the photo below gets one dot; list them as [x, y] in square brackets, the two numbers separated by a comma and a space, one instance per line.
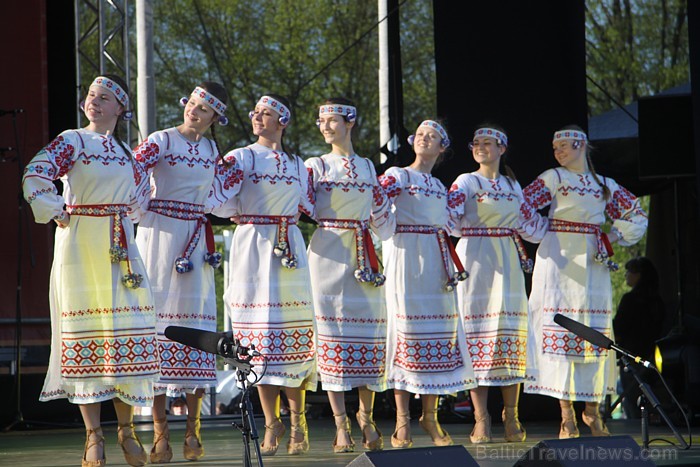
[648, 396]
[247, 426]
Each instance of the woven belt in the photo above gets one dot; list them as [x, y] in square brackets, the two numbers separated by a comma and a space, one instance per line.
[447, 251]
[281, 249]
[119, 247]
[525, 262]
[605, 250]
[189, 212]
[363, 246]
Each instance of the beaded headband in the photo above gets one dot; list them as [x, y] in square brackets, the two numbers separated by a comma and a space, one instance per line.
[114, 88]
[570, 134]
[338, 109]
[435, 126]
[277, 106]
[492, 133]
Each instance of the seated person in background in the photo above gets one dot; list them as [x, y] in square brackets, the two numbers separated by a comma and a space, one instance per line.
[638, 324]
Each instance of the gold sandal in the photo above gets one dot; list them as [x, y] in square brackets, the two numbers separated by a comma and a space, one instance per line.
[137, 459]
[514, 431]
[190, 453]
[89, 444]
[429, 422]
[402, 420]
[342, 423]
[301, 428]
[365, 420]
[481, 439]
[162, 457]
[278, 431]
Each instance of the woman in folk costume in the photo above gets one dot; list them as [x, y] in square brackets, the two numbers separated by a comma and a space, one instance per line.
[427, 352]
[104, 343]
[572, 277]
[348, 297]
[188, 178]
[268, 294]
[485, 215]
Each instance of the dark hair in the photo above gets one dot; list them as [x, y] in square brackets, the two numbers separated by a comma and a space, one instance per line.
[503, 166]
[218, 91]
[286, 103]
[648, 276]
[591, 168]
[125, 87]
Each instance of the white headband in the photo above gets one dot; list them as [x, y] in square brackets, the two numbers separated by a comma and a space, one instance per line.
[211, 100]
[569, 134]
[492, 133]
[338, 109]
[277, 106]
[114, 88]
[435, 126]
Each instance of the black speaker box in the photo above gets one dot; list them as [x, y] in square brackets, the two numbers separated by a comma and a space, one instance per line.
[666, 146]
[608, 450]
[446, 456]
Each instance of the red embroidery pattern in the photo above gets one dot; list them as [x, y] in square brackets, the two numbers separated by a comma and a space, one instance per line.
[455, 197]
[147, 154]
[434, 355]
[536, 196]
[106, 311]
[390, 185]
[336, 358]
[623, 205]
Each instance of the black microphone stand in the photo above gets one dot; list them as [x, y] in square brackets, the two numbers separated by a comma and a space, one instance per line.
[649, 397]
[247, 426]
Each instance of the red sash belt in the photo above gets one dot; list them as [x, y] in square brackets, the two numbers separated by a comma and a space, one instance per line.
[447, 251]
[119, 247]
[605, 250]
[189, 212]
[525, 262]
[364, 247]
[281, 249]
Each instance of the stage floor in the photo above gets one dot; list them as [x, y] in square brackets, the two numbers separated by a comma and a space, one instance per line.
[224, 445]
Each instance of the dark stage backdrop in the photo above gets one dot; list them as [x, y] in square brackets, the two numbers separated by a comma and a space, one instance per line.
[519, 64]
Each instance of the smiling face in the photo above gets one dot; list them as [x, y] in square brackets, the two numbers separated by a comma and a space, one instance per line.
[486, 150]
[266, 123]
[572, 158]
[334, 128]
[198, 115]
[427, 143]
[101, 106]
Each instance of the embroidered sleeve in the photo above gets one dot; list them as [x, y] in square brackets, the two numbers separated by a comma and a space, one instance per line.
[228, 177]
[382, 218]
[51, 163]
[390, 184]
[629, 219]
[313, 176]
[535, 196]
[308, 198]
[456, 199]
[232, 173]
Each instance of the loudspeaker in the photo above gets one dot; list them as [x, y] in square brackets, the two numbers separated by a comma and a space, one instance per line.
[451, 456]
[608, 450]
[666, 145]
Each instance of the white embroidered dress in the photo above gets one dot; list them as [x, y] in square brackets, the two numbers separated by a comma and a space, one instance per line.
[350, 316]
[103, 342]
[186, 183]
[484, 214]
[427, 351]
[569, 281]
[270, 305]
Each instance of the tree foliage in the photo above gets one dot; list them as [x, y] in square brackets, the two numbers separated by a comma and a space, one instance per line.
[634, 48]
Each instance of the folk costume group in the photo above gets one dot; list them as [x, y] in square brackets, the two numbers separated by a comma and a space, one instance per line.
[437, 320]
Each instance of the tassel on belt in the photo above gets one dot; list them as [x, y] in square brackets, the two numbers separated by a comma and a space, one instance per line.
[447, 251]
[367, 262]
[525, 262]
[281, 249]
[119, 247]
[189, 212]
[605, 250]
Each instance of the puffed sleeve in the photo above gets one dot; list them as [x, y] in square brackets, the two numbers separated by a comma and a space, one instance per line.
[146, 157]
[392, 181]
[51, 163]
[537, 195]
[142, 190]
[237, 159]
[228, 177]
[456, 204]
[382, 220]
[629, 219]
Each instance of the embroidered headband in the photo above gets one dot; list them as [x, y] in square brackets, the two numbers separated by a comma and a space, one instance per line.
[435, 126]
[492, 133]
[211, 100]
[347, 111]
[570, 134]
[114, 88]
[277, 106]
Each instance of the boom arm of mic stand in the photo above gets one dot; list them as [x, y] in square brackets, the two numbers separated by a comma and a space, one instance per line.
[653, 400]
[630, 356]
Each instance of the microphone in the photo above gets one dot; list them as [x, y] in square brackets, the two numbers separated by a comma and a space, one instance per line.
[219, 343]
[11, 112]
[596, 338]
